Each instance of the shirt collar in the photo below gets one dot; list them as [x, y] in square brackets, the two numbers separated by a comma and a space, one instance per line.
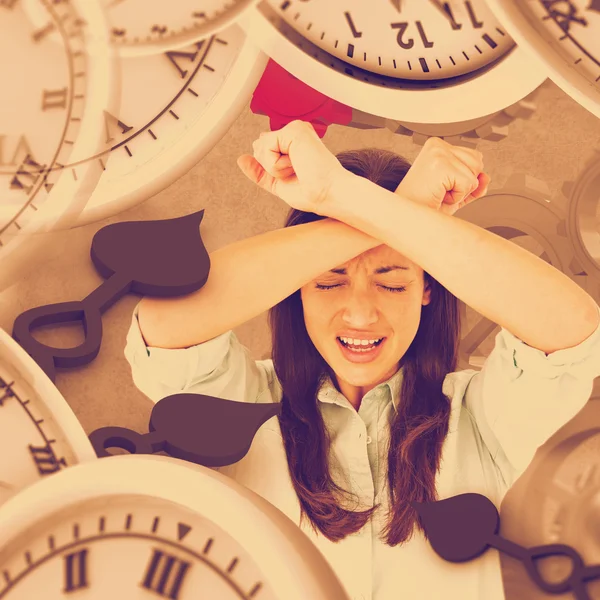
[328, 393]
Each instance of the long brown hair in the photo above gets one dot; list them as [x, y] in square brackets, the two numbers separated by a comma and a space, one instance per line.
[420, 425]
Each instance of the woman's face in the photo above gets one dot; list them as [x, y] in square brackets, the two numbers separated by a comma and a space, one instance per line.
[375, 296]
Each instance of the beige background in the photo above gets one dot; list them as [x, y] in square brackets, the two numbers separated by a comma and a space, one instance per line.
[551, 146]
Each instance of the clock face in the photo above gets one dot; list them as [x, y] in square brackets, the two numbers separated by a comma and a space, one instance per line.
[423, 40]
[141, 27]
[162, 113]
[564, 35]
[38, 430]
[45, 124]
[130, 547]
[141, 527]
[174, 106]
[416, 61]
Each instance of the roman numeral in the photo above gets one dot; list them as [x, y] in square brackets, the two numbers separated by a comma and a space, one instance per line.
[27, 175]
[165, 574]
[174, 55]
[111, 124]
[76, 571]
[44, 459]
[8, 393]
[564, 15]
[54, 99]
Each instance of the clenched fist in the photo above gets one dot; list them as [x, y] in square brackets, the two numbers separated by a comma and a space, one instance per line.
[445, 177]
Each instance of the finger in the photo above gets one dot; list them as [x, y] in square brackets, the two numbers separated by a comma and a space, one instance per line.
[269, 154]
[472, 158]
[482, 189]
[460, 183]
[253, 170]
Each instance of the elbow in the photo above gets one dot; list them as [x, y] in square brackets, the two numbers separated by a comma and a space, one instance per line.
[592, 317]
[147, 321]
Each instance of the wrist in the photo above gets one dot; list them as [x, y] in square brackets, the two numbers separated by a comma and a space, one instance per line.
[337, 199]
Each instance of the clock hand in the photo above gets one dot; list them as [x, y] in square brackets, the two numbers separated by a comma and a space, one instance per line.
[397, 4]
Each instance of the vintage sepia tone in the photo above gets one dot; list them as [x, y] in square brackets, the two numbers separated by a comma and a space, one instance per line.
[154, 131]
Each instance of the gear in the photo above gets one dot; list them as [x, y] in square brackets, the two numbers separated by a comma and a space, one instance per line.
[492, 128]
[283, 98]
[524, 212]
[580, 200]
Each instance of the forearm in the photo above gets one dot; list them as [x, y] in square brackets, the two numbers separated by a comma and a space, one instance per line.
[248, 277]
[505, 283]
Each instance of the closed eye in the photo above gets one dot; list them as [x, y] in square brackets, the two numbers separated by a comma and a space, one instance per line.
[326, 287]
[385, 287]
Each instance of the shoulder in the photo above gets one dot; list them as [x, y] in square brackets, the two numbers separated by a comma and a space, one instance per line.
[273, 389]
[456, 383]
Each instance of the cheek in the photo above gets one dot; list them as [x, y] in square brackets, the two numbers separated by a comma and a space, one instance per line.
[403, 313]
[316, 311]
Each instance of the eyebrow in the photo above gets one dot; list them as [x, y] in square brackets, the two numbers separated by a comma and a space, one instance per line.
[378, 271]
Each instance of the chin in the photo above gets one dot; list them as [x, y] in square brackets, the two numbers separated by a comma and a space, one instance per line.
[362, 375]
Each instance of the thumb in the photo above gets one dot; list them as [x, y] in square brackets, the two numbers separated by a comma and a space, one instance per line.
[250, 167]
[254, 171]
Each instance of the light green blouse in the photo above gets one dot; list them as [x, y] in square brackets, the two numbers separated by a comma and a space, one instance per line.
[500, 416]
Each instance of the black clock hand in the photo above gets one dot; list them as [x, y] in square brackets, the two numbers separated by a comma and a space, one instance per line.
[131, 260]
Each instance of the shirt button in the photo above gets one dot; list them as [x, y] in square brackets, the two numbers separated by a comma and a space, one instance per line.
[369, 440]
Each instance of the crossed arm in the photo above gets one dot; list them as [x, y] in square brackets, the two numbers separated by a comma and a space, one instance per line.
[505, 283]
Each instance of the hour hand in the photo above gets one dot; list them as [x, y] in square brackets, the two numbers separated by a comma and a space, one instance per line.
[397, 4]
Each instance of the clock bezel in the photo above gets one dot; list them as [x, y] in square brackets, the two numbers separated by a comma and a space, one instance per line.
[178, 158]
[554, 65]
[34, 377]
[509, 80]
[290, 557]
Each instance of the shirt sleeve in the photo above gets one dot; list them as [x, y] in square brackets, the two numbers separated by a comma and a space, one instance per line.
[220, 367]
[522, 396]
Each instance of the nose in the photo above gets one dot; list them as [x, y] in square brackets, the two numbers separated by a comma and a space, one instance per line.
[359, 309]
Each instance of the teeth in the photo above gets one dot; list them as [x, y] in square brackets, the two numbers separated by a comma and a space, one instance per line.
[356, 342]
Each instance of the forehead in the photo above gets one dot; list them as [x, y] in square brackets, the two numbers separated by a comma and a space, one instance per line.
[380, 256]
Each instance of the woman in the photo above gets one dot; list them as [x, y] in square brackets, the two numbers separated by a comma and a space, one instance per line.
[363, 284]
